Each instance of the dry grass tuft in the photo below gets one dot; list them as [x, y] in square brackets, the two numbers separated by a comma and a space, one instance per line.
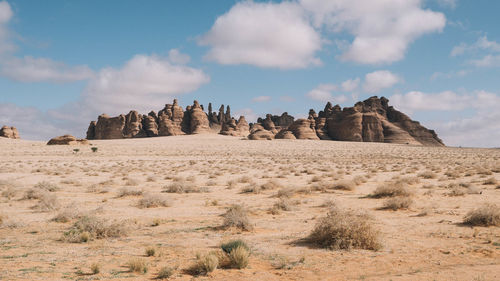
[129, 191]
[153, 201]
[391, 189]
[91, 227]
[137, 265]
[47, 186]
[345, 230]
[205, 264]
[397, 203]
[165, 273]
[237, 216]
[47, 202]
[486, 215]
[239, 256]
[183, 187]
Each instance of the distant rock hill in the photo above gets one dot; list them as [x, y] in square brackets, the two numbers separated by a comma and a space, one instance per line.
[372, 120]
[9, 132]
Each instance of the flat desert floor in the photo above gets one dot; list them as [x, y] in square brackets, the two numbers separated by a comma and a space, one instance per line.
[157, 205]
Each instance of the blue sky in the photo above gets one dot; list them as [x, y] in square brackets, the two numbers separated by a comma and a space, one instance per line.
[62, 63]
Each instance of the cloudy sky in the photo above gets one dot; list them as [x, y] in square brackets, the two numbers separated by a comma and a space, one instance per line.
[62, 63]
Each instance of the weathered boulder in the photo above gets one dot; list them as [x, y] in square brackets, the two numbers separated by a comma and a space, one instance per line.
[67, 140]
[91, 130]
[109, 127]
[285, 134]
[236, 128]
[261, 135]
[150, 125]
[304, 129]
[373, 120]
[133, 125]
[170, 120]
[9, 132]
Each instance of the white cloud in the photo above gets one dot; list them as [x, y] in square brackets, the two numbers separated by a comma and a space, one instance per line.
[249, 114]
[176, 57]
[481, 129]
[143, 83]
[382, 29]
[5, 12]
[379, 80]
[350, 85]
[486, 61]
[482, 43]
[449, 75]
[267, 35]
[30, 122]
[324, 93]
[29, 69]
[261, 99]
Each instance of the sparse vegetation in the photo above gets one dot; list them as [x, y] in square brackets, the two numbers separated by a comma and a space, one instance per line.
[397, 203]
[205, 263]
[345, 230]
[153, 201]
[486, 215]
[237, 216]
[90, 227]
[137, 265]
[165, 272]
[391, 189]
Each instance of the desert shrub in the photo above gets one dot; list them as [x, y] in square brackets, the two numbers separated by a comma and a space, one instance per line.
[272, 184]
[343, 185]
[98, 188]
[94, 149]
[286, 192]
[206, 263]
[345, 230]
[390, 189]
[357, 180]
[183, 187]
[128, 191]
[47, 202]
[283, 204]
[457, 191]
[237, 216]
[227, 247]
[33, 193]
[150, 251]
[244, 179]
[486, 215]
[152, 201]
[165, 272]
[87, 228]
[396, 203]
[427, 175]
[251, 189]
[95, 268]
[45, 185]
[66, 215]
[238, 257]
[137, 265]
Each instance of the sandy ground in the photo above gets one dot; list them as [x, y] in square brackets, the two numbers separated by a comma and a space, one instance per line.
[425, 242]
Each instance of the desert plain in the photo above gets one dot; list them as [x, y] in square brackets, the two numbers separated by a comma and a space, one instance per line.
[160, 203]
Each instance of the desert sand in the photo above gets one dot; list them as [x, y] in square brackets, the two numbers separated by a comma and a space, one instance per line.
[285, 185]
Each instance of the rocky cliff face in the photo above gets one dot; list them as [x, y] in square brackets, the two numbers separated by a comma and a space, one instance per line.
[372, 120]
[9, 132]
[172, 120]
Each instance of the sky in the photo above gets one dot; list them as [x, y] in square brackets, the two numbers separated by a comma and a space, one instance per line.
[63, 63]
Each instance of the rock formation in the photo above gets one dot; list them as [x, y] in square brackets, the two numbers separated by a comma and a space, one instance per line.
[67, 140]
[372, 120]
[9, 132]
[172, 120]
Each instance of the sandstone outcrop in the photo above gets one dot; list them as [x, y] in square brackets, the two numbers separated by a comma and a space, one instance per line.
[9, 132]
[67, 140]
[372, 120]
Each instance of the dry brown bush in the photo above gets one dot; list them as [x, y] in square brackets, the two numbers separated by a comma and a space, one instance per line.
[153, 200]
[237, 216]
[91, 227]
[397, 203]
[391, 189]
[345, 230]
[129, 191]
[486, 215]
